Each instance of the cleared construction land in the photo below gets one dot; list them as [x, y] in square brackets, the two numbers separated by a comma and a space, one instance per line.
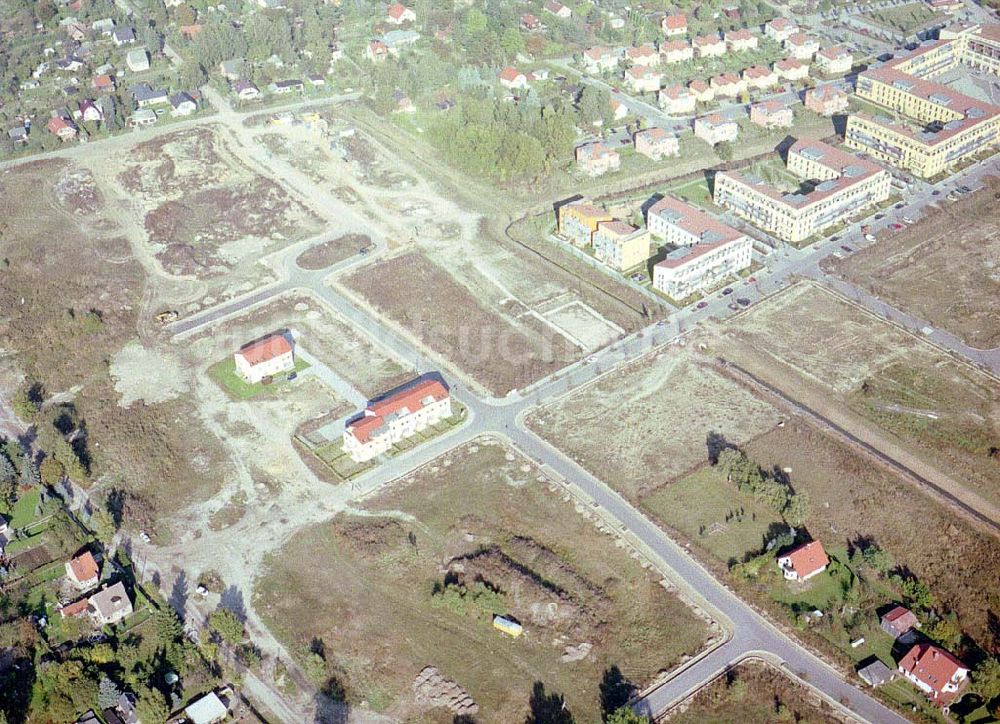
[891, 388]
[414, 578]
[648, 423]
[943, 269]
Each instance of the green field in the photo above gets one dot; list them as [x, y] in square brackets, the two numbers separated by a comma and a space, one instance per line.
[224, 373]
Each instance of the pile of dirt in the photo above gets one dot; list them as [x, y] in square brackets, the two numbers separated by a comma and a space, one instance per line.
[77, 191]
[371, 536]
[330, 252]
[433, 689]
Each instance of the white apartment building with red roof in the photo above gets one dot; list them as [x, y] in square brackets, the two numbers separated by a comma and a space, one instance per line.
[265, 357]
[401, 415]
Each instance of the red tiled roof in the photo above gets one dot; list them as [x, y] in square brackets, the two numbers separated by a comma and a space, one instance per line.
[673, 46]
[697, 223]
[788, 64]
[798, 39]
[808, 558]
[901, 618]
[411, 399]
[932, 665]
[510, 74]
[74, 609]
[742, 34]
[397, 10]
[781, 24]
[84, 567]
[265, 349]
[707, 40]
[675, 22]
[699, 86]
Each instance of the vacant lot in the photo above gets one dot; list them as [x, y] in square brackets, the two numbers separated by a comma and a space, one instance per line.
[500, 349]
[330, 252]
[904, 18]
[204, 211]
[944, 269]
[70, 294]
[414, 579]
[761, 695]
[642, 426]
[946, 412]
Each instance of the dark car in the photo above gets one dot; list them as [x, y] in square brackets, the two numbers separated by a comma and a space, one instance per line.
[701, 305]
[752, 280]
[846, 248]
[879, 216]
[899, 206]
[835, 237]
[727, 290]
[936, 192]
[743, 302]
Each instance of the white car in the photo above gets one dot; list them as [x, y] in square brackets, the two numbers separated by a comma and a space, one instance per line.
[907, 220]
[869, 237]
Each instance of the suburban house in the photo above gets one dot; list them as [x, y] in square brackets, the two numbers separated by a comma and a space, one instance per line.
[595, 159]
[620, 245]
[771, 114]
[656, 143]
[61, 127]
[727, 85]
[142, 117]
[399, 14]
[702, 91]
[554, 7]
[644, 54]
[577, 221]
[804, 562]
[791, 69]
[674, 25]
[676, 51]
[110, 605]
[715, 129]
[396, 40]
[316, 80]
[232, 69]
[146, 96]
[742, 39]
[643, 79]
[936, 672]
[246, 91]
[827, 100]
[599, 59]
[183, 104]
[709, 46]
[677, 100]
[265, 357]
[124, 35]
[835, 60]
[104, 26]
[530, 22]
[137, 60]
[17, 135]
[618, 110]
[376, 51]
[801, 46]
[842, 185]
[208, 709]
[83, 571]
[280, 87]
[389, 420]
[90, 111]
[780, 29]
[511, 77]
[706, 250]
[103, 82]
[69, 64]
[760, 77]
[899, 621]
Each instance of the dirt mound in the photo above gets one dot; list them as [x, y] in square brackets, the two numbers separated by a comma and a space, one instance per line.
[432, 688]
[330, 252]
[371, 537]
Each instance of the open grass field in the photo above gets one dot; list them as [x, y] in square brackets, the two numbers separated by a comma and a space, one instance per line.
[904, 18]
[412, 580]
[905, 389]
[761, 694]
[942, 269]
[501, 348]
[647, 424]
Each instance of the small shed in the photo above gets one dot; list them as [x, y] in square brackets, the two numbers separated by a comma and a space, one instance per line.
[876, 673]
[508, 626]
[209, 709]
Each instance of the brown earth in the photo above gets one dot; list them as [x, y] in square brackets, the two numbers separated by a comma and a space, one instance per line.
[330, 252]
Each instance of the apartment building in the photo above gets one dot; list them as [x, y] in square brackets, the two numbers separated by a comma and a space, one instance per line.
[656, 143]
[596, 159]
[791, 69]
[620, 245]
[709, 46]
[826, 100]
[392, 419]
[835, 186]
[677, 100]
[643, 79]
[727, 85]
[676, 51]
[578, 221]
[742, 39]
[701, 91]
[977, 46]
[644, 54]
[936, 126]
[707, 251]
[780, 29]
[759, 77]
[801, 46]
[715, 129]
[599, 59]
[835, 60]
[771, 114]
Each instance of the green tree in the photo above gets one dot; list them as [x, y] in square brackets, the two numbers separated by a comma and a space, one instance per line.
[107, 693]
[51, 471]
[594, 106]
[227, 625]
[150, 706]
[986, 678]
[945, 630]
[511, 42]
[724, 151]
[104, 527]
[626, 715]
[168, 626]
[27, 402]
[797, 509]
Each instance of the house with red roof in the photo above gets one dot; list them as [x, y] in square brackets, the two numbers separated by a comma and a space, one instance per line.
[771, 114]
[899, 621]
[399, 14]
[709, 46]
[530, 22]
[674, 25]
[265, 357]
[511, 77]
[780, 29]
[937, 673]
[804, 562]
[83, 571]
[64, 129]
[554, 7]
[401, 415]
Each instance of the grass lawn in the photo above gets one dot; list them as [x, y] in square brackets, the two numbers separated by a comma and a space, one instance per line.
[224, 373]
[696, 192]
[904, 18]
[24, 509]
[479, 519]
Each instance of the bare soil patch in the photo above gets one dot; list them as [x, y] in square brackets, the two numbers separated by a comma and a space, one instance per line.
[500, 351]
[414, 579]
[944, 269]
[646, 424]
[330, 252]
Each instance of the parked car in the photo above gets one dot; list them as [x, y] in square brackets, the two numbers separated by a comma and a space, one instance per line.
[869, 237]
[752, 280]
[879, 216]
[743, 302]
[895, 227]
[727, 291]
[701, 305]
[899, 205]
[733, 305]
[846, 248]
[936, 192]
[907, 220]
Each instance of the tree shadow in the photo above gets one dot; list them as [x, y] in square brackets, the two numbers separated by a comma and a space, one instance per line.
[716, 442]
[547, 708]
[232, 600]
[179, 594]
[615, 690]
[330, 710]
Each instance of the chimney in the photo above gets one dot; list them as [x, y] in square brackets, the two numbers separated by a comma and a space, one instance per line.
[934, 654]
